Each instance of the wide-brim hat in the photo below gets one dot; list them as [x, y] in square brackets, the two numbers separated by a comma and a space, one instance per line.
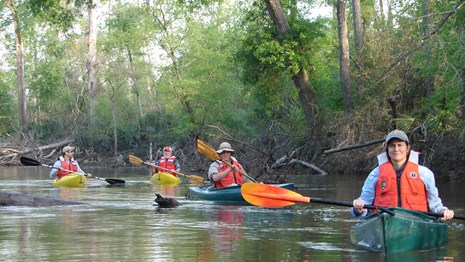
[225, 146]
[67, 148]
[398, 134]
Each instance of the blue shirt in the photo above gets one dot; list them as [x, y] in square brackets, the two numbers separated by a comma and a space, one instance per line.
[426, 175]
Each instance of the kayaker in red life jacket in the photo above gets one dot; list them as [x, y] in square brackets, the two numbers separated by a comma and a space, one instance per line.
[220, 174]
[399, 181]
[66, 163]
[167, 163]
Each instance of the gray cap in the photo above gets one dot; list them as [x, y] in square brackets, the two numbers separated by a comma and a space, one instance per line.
[399, 134]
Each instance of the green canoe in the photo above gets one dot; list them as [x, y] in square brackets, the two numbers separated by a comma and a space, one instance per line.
[232, 193]
[407, 230]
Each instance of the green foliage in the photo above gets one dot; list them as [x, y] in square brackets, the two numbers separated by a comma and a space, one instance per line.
[202, 66]
[7, 105]
[56, 13]
[47, 83]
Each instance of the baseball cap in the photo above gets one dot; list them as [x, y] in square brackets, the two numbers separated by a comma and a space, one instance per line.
[67, 148]
[399, 134]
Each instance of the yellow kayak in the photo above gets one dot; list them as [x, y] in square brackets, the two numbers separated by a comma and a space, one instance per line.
[164, 178]
[71, 180]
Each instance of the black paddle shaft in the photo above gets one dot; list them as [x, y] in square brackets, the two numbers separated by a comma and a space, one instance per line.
[348, 204]
[32, 162]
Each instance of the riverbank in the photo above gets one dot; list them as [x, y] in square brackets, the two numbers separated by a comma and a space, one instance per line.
[444, 154]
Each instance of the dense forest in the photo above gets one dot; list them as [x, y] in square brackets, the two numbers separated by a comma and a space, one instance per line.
[284, 81]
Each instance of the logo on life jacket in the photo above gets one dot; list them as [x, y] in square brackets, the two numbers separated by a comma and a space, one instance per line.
[413, 175]
[383, 185]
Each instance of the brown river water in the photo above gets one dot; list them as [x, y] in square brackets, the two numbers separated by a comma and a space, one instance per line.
[122, 223]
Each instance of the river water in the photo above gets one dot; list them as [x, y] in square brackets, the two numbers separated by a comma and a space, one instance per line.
[122, 223]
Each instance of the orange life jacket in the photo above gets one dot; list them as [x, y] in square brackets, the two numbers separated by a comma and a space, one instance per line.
[231, 177]
[167, 163]
[64, 164]
[412, 189]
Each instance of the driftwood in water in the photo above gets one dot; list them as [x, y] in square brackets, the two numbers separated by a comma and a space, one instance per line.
[16, 199]
[288, 161]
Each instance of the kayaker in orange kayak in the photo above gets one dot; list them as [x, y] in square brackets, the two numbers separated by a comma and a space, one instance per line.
[399, 181]
[66, 163]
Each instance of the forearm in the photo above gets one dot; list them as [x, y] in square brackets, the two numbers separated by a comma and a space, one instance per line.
[218, 176]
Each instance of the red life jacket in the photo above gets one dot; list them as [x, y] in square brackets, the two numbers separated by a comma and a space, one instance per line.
[231, 177]
[167, 163]
[412, 189]
[64, 164]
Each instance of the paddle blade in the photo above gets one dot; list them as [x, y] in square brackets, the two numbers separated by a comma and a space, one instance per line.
[115, 182]
[135, 160]
[270, 196]
[206, 150]
[29, 162]
[196, 179]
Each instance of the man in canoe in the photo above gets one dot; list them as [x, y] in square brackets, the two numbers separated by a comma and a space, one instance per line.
[223, 175]
[167, 163]
[399, 181]
[66, 163]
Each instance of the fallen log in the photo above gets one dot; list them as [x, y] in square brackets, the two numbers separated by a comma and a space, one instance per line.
[369, 143]
[16, 199]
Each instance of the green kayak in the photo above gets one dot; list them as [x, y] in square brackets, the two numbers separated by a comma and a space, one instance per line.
[232, 193]
[406, 230]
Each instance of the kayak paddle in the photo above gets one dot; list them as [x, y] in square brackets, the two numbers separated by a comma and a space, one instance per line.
[137, 161]
[273, 197]
[208, 151]
[31, 162]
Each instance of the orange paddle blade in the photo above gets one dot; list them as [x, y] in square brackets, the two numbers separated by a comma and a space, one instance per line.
[270, 196]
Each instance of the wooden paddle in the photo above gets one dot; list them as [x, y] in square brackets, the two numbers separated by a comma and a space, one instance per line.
[208, 151]
[273, 197]
[31, 162]
[137, 161]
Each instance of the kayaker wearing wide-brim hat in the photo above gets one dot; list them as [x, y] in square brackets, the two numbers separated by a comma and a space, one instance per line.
[66, 163]
[220, 174]
[399, 181]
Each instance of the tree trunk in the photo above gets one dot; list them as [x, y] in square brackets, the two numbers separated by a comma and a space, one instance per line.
[344, 62]
[358, 37]
[115, 133]
[19, 65]
[381, 12]
[462, 104]
[426, 24]
[306, 95]
[91, 60]
[134, 79]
